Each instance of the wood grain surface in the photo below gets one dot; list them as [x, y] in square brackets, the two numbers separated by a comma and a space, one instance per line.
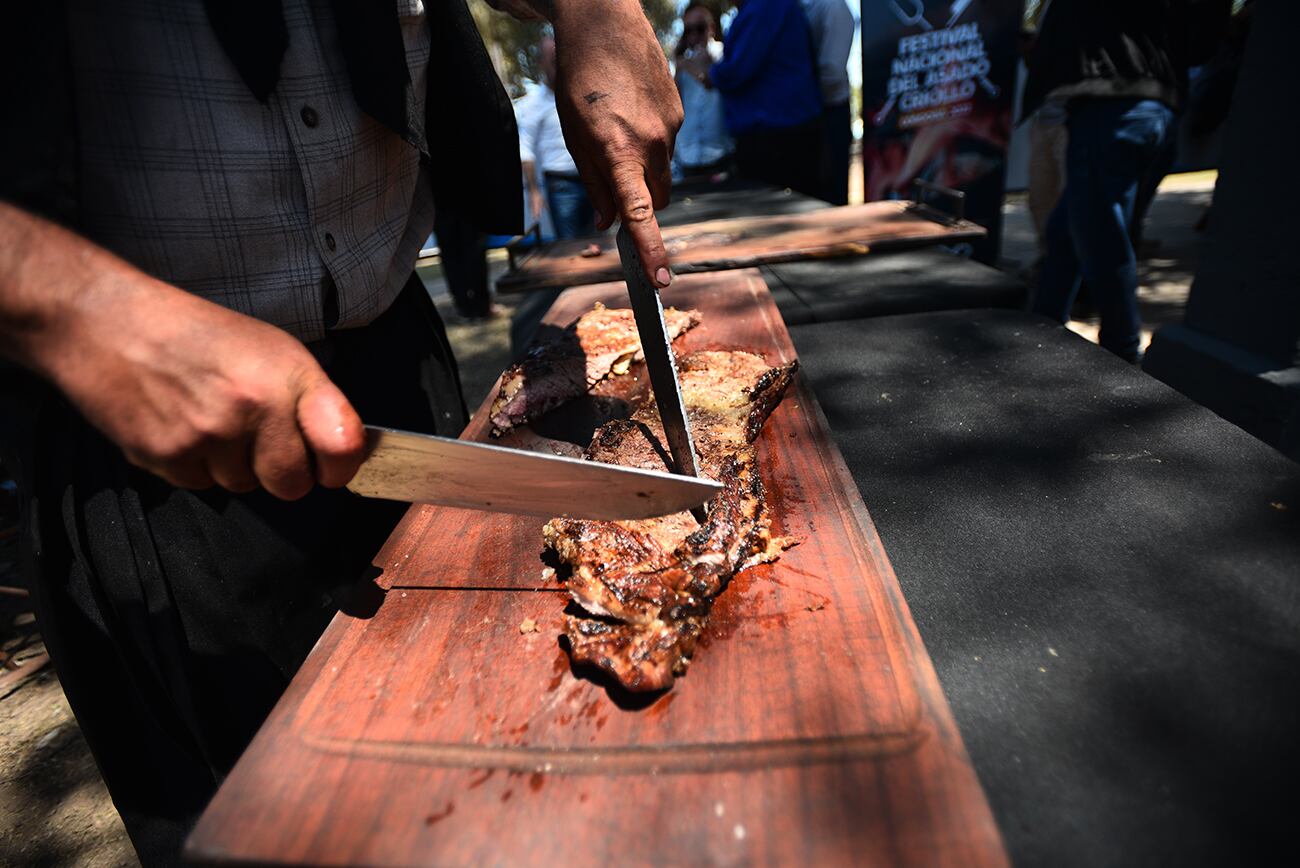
[442, 729]
[741, 242]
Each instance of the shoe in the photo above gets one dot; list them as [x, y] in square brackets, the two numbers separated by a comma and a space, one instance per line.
[455, 317]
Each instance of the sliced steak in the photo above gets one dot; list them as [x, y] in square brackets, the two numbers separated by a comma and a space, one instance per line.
[650, 583]
[602, 342]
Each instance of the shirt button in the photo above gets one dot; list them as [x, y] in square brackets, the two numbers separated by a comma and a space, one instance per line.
[309, 116]
[329, 242]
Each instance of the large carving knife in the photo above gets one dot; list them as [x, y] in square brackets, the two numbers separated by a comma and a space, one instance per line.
[420, 468]
[648, 310]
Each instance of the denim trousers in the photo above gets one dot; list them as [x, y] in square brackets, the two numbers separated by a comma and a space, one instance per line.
[571, 211]
[573, 217]
[1112, 146]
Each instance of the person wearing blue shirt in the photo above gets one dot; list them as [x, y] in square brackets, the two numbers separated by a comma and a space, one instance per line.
[768, 81]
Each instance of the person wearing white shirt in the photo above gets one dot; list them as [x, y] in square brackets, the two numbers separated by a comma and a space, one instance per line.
[704, 147]
[832, 25]
[542, 151]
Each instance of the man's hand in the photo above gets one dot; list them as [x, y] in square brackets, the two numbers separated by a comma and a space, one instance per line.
[189, 390]
[620, 112]
[537, 204]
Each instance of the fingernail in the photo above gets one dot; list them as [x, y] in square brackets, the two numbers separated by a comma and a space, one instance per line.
[662, 277]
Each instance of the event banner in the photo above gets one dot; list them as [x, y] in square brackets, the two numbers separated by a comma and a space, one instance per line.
[938, 82]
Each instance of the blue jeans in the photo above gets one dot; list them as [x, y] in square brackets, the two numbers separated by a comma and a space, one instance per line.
[1113, 143]
[571, 211]
[573, 217]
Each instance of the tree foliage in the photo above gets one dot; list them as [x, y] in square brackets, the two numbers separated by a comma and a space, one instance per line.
[513, 44]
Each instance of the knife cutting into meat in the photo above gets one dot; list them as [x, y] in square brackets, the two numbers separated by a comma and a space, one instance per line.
[421, 468]
[657, 347]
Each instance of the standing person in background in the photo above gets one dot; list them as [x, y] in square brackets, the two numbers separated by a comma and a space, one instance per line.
[542, 150]
[462, 247]
[832, 25]
[769, 92]
[1047, 137]
[703, 145]
[1118, 66]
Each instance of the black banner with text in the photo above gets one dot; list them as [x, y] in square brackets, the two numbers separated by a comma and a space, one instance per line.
[938, 81]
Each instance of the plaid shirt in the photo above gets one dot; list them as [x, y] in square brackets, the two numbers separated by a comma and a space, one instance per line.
[302, 212]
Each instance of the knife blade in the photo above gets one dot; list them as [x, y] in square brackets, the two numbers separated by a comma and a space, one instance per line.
[421, 468]
[657, 347]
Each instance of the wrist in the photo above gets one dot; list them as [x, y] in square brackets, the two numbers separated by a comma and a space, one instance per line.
[96, 323]
[55, 288]
[39, 270]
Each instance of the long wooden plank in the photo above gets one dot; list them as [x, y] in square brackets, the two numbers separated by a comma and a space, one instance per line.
[810, 728]
[742, 242]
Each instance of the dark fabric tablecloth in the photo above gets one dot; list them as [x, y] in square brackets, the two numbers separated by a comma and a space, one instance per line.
[825, 290]
[1106, 575]
[887, 283]
[694, 204]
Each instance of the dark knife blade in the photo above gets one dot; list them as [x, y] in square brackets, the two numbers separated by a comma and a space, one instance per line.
[648, 310]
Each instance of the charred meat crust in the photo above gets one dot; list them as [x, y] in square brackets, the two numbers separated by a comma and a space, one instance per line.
[648, 586]
[599, 343]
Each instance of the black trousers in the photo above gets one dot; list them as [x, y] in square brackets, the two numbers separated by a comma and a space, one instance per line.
[784, 157]
[464, 262]
[837, 144]
[175, 618]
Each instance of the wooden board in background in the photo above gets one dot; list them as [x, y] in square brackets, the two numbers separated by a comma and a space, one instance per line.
[810, 728]
[741, 242]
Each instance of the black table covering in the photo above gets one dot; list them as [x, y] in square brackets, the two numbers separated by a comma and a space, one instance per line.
[1106, 575]
[825, 290]
[882, 284]
[734, 198]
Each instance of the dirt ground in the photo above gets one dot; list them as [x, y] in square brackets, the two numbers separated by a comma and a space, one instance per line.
[54, 809]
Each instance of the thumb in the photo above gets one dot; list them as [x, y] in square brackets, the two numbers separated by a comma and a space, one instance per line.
[332, 431]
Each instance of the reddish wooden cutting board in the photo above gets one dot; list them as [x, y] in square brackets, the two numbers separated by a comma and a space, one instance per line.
[810, 728]
[741, 242]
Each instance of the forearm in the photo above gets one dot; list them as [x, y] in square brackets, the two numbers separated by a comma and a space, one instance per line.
[621, 27]
[619, 111]
[49, 279]
[187, 389]
[530, 176]
[614, 17]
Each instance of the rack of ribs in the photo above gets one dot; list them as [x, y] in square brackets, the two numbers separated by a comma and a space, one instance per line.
[646, 587]
[600, 343]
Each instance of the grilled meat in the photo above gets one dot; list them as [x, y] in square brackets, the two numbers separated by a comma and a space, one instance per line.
[641, 658]
[650, 584]
[600, 343]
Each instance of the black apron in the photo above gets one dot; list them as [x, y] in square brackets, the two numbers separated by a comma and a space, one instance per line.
[176, 618]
